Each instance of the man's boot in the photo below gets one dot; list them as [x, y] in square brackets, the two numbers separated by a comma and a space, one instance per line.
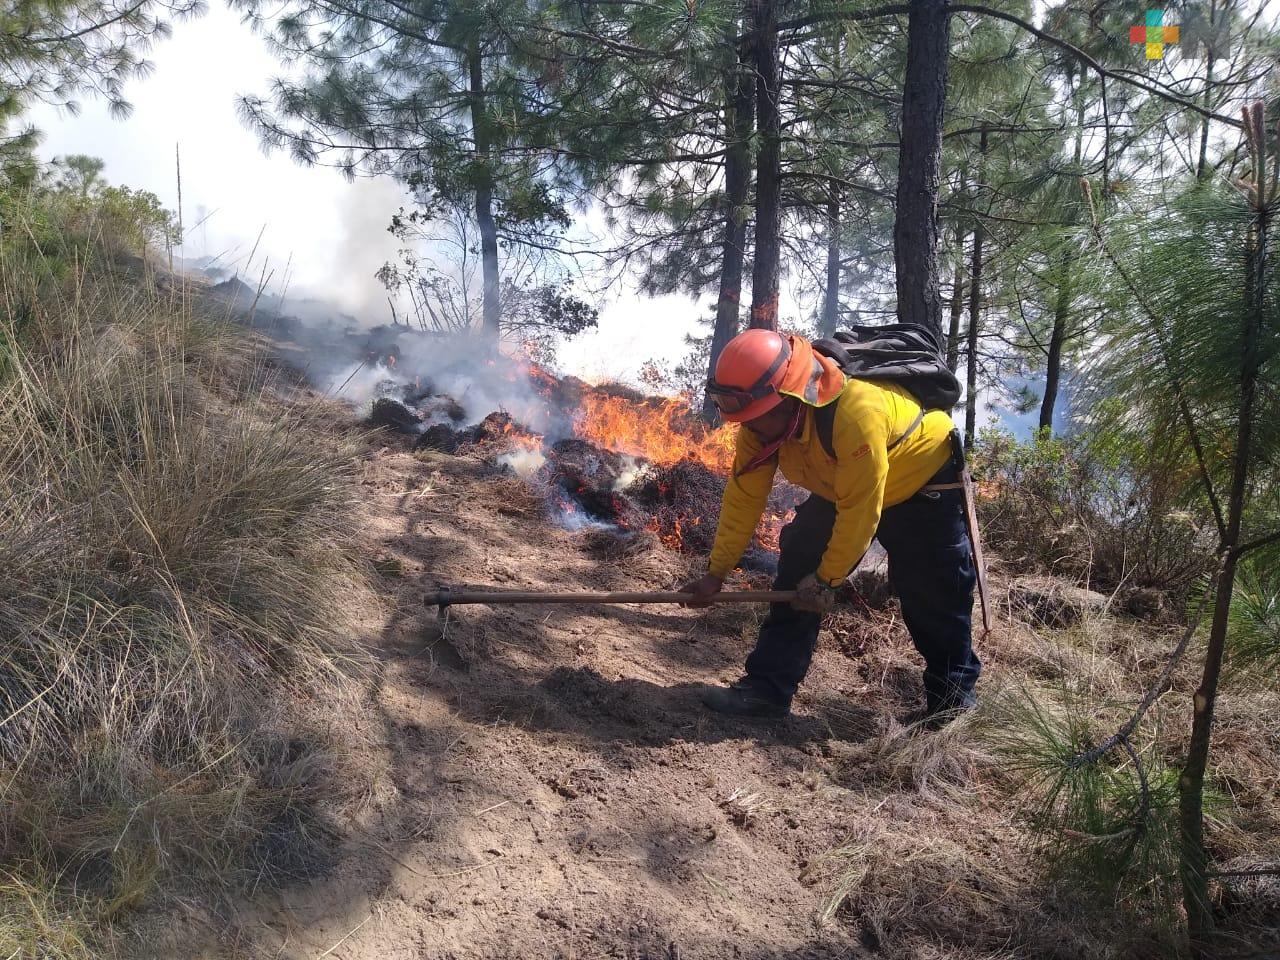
[743, 699]
[938, 713]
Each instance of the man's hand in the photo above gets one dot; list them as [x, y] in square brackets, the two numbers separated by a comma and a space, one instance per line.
[703, 589]
[814, 596]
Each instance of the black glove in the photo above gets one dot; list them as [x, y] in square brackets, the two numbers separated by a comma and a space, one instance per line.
[814, 595]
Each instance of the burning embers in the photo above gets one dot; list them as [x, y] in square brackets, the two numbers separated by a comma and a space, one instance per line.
[610, 459]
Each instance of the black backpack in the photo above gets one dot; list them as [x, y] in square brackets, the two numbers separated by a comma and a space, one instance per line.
[900, 353]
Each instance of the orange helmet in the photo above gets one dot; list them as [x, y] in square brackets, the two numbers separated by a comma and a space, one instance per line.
[758, 368]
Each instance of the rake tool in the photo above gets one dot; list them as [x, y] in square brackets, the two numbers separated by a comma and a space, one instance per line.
[445, 597]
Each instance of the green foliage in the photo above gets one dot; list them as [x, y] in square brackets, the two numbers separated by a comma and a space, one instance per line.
[1109, 824]
[1173, 363]
[78, 174]
[57, 50]
[68, 217]
[1254, 632]
[1090, 508]
[132, 219]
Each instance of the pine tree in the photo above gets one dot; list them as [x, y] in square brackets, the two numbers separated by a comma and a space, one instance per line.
[1195, 349]
[56, 51]
[444, 96]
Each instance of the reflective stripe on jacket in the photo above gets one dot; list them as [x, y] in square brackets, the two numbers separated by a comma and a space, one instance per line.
[864, 477]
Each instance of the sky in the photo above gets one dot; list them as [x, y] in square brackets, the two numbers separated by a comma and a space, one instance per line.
[325, 234]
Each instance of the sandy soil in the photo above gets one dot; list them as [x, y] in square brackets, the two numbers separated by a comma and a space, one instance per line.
[541, 782]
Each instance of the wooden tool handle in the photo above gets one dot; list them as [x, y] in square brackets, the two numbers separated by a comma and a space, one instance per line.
[447, 597]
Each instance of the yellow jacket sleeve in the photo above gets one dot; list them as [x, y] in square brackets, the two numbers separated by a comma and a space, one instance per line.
[744, 501]
[860, 438]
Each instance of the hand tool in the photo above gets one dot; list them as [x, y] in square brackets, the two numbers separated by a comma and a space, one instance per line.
[445, 597]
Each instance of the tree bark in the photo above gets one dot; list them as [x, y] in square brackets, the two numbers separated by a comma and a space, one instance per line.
[1210, 54]
[957, 305]
[739, 119]
[831, 298]
[957, 300]
[915, 230]
[768, 249]
[975, 305]
[491, 309]
[1057, 337]
[1195, 859]
[971, 353]
[1065, 298]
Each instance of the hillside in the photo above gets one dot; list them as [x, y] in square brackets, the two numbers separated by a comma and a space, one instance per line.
[235, 730]
[542, 782]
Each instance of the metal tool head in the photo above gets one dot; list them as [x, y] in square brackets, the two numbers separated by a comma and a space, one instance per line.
[440, 600]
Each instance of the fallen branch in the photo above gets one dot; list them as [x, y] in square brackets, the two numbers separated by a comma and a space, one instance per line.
[1121, 736]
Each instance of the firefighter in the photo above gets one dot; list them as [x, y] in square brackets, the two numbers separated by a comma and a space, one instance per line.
[889, 456]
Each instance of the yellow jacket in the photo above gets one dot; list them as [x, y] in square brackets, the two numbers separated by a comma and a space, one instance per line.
[865, 476]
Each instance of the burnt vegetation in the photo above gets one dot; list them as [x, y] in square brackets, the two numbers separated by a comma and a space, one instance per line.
[604, 482]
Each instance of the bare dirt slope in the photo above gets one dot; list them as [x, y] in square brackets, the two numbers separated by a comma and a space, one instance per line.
[542, 782]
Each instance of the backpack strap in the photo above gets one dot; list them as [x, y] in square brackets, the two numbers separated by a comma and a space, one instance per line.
[824, 421]
[911, 429]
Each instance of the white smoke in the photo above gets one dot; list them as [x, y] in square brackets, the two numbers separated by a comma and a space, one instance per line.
[363, 246]
[633, 471]
[463, 368]
[524, 461]
[360, 385]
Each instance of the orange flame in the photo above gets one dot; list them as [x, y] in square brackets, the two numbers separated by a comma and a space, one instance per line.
[528, 441]
[666, 432]
[662, 432]
[769, 533]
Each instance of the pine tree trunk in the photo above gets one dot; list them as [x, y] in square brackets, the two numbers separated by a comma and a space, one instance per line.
[1195, 859]
[491, 309]
[1202, 163]
[915, 229]
[1064, 301]
[768, 249]
[975, 305]
[971, 372]
[831, 298]
[1057, 337]
[957, 303]
[739, 119]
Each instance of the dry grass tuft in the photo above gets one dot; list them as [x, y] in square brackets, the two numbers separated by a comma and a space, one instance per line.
[744, 806]
[943, 762]
[174, 552]
[905, 883]
[980, 840]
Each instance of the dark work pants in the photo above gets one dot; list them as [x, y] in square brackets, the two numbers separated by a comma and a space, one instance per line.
[930, 569]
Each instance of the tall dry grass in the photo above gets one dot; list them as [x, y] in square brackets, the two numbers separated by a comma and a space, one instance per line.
[173, 539]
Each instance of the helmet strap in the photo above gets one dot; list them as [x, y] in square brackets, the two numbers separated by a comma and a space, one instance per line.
[771, 448]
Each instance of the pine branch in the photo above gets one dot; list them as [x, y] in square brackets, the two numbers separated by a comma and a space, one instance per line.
[1090, 62]
[1260, 872]
[1257, 544]
[845, 16]
[1184, 406]
[91, 28]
